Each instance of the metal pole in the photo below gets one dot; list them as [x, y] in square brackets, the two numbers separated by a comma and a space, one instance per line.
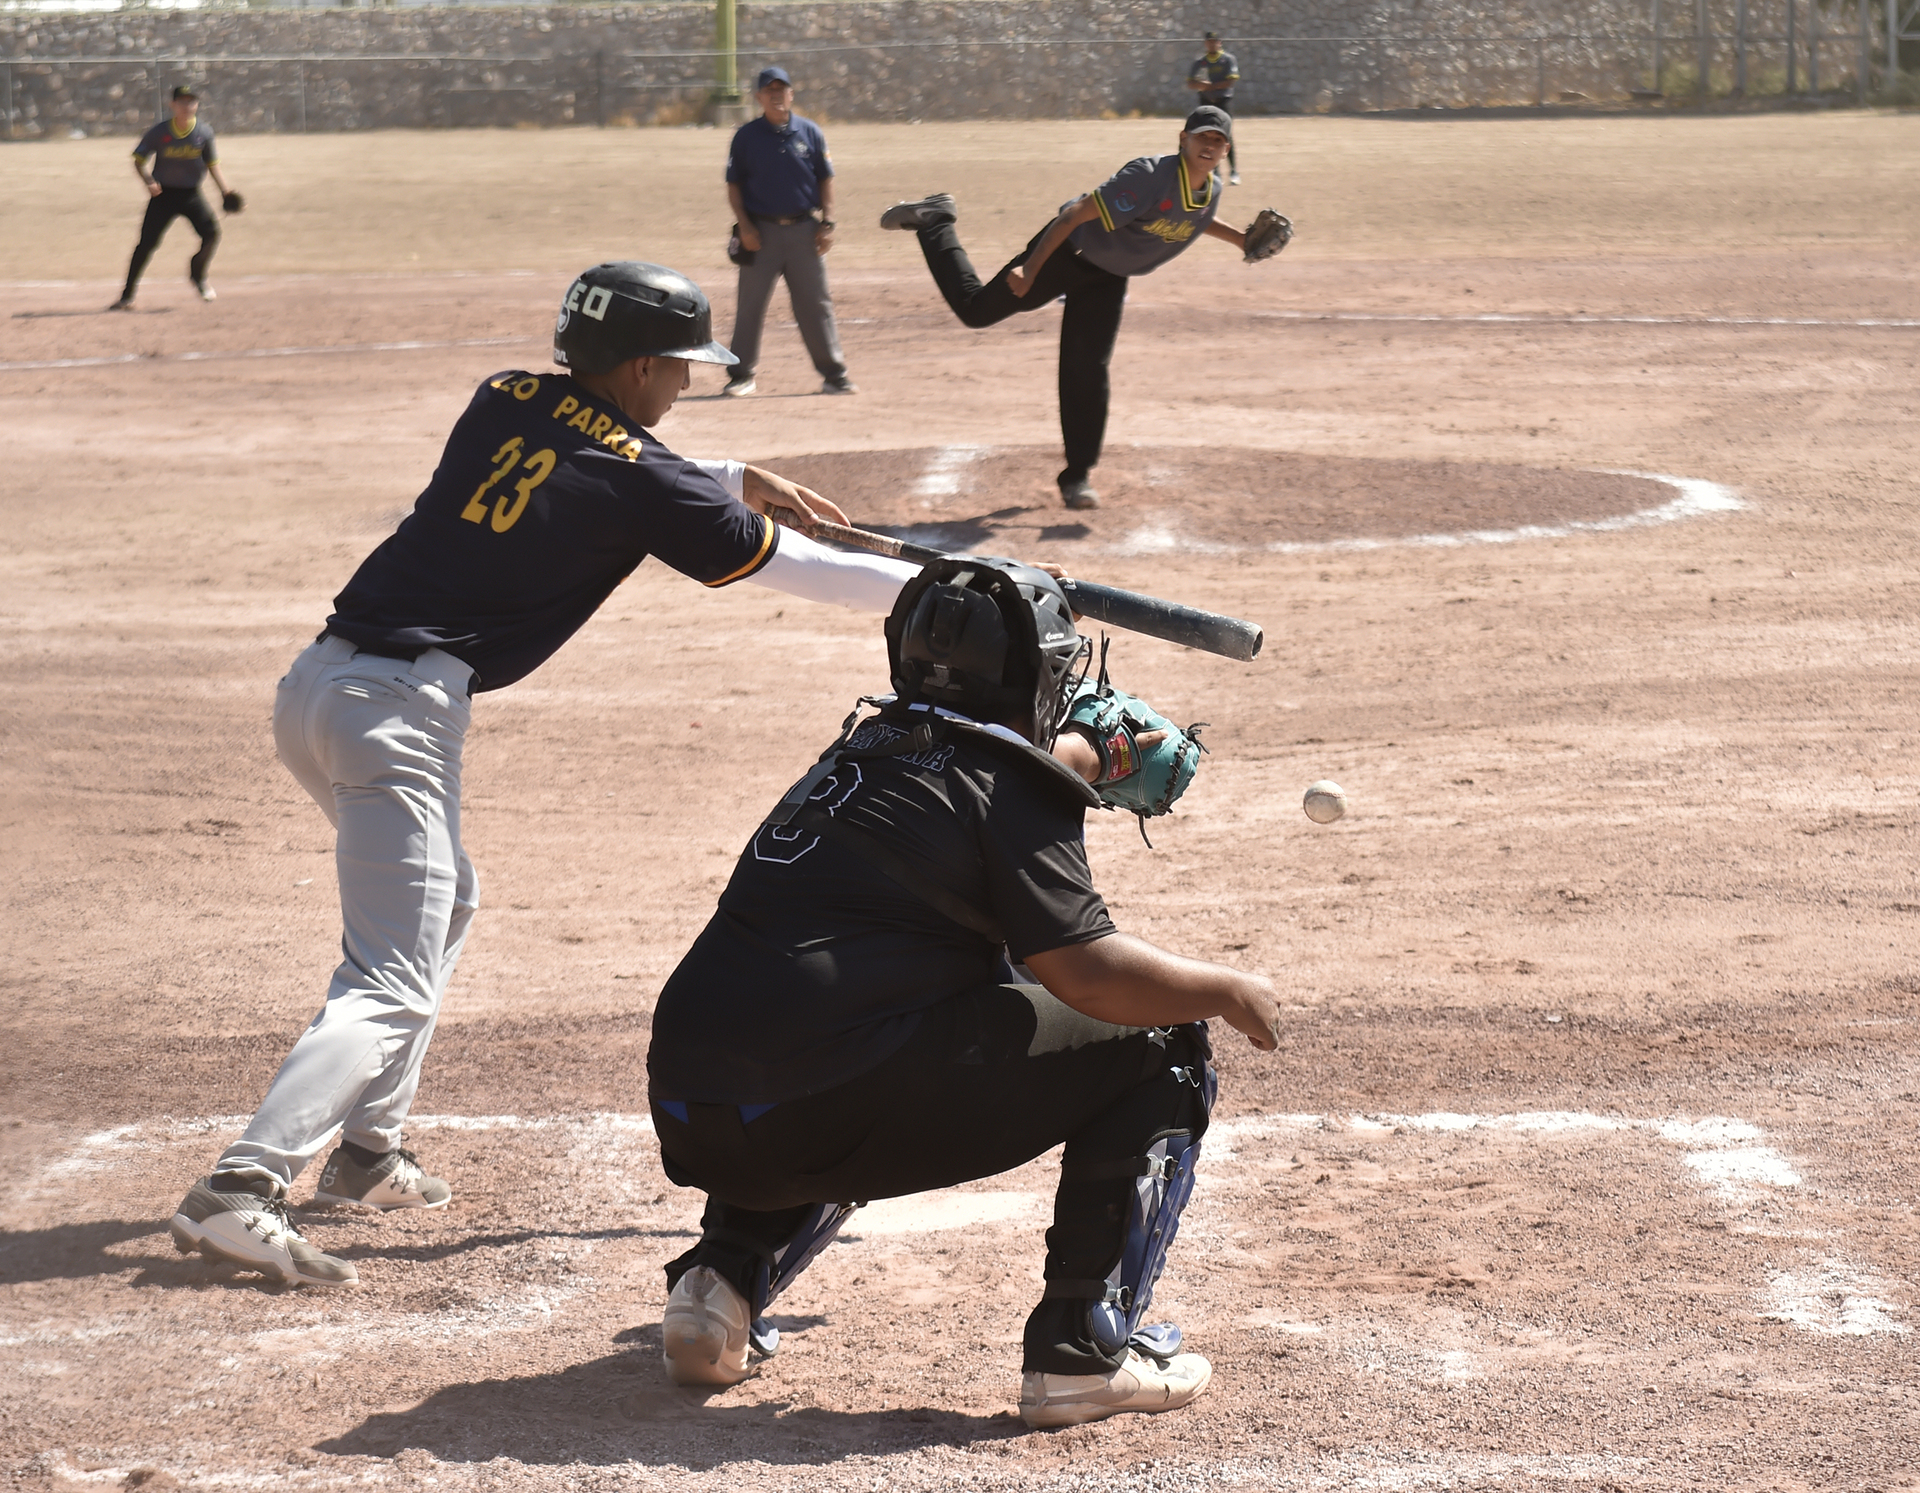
[600, 89]
[1866, 49]
[1703, 43]
[1380, 75]
[1539, 72]
[1893, 41]
[1740, 48]
[1813, 46]
[9, 97]
[726, 63]
[300, 69]
[1793, 51]
[1657, 88]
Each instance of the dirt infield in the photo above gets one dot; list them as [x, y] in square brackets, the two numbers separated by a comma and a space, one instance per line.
[1570, 469]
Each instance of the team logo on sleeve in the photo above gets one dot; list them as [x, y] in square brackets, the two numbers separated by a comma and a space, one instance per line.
[1125, 202]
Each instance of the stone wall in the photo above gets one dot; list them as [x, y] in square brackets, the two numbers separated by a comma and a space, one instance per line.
[353, 69]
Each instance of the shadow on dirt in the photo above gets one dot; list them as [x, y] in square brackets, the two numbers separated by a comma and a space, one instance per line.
[621, 1409]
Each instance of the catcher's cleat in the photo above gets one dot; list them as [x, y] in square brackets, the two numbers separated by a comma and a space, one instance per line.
[840, 385]
[704, 1330]
[395, 1181]
[738, 386]
[925, 213]
[1079, 494]
[253, 1233]
[207, 292]
[1140, 1384]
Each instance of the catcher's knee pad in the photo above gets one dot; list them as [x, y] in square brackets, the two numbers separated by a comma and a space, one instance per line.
[1162, 1183]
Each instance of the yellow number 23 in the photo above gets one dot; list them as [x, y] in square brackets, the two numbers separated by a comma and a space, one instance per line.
[507, 510]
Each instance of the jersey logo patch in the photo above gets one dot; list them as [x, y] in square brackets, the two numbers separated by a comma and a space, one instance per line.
[1166, 205]
[1172, 230]
[1125, 202]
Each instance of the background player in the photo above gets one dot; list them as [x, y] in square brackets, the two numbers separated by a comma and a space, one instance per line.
[548, 495]
[182, 152]
[779, 177]
[1212, 77]
[846, 1025]
[1145, 214]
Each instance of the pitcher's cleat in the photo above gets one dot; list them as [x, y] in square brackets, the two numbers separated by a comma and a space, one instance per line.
[1140, 1384]
[704, 1329]
[396, 1181]
[922, 214]
[253, 1233]
[207, 292]
[1079, 495]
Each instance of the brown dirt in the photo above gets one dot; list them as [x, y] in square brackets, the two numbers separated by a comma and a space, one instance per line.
[1588, 1162]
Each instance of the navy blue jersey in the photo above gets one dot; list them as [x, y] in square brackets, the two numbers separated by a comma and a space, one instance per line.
[542, 503]
[178, 160]
[779, 170]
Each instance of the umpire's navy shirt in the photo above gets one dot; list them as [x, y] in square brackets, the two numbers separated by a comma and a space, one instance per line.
[779, 170]
[542, 503]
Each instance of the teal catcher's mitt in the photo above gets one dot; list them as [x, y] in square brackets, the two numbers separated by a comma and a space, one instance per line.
[1143, 780]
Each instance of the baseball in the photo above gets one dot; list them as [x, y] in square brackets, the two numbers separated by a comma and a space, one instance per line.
[1325, 802]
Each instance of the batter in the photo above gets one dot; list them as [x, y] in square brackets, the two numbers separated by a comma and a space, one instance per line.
[550, 492]
[1147, 213]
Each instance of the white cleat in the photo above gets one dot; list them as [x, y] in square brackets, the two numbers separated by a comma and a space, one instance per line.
[254, 1233]
[207, 292]
[704, 1330]
[1140, 1384]
[398, 1181]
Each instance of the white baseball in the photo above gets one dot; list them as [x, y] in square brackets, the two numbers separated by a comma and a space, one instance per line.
[1325, 802]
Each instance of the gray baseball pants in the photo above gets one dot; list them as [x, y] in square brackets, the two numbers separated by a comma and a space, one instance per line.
[786, 251]
[376, 742]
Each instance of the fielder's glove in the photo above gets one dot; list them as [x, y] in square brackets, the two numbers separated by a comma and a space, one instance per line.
[232, 202]
[1143, 780]
[1267, 235]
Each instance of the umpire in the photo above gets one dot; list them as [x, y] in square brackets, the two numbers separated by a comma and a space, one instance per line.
[181, 149]
[780, 186]
[1212, 76]
[847, 1026]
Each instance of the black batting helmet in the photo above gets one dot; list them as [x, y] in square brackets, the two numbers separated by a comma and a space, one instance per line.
[627, 309]
[992, 639]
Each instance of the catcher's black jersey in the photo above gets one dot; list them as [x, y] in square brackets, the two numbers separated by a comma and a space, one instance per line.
[543, 502]
[817, 965]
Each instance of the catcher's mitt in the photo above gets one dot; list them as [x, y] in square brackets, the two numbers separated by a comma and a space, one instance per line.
[1267, 235]
[232, 202]
[1144, 780]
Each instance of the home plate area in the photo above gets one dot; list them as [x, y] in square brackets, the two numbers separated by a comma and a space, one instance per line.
[1508, 1300]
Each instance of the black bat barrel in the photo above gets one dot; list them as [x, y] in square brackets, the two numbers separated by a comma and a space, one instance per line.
[1209, 631]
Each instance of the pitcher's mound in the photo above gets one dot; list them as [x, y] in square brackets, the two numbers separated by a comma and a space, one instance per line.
[1205, 498]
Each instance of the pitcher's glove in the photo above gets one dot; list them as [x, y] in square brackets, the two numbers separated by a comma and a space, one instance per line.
[1143, 780]
[232, 202]
[1267, 235]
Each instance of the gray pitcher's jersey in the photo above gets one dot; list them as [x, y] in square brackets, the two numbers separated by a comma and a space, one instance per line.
[1148, 214]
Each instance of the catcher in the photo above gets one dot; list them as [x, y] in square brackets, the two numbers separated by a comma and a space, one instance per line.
[848, 1025]
[1147, 212]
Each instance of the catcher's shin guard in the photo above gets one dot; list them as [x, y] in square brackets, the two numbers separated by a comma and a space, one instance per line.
[778, 1269]
[1162, 1183]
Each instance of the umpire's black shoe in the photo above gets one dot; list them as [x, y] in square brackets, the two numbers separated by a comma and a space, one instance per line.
[1078, 493]
[925, 213]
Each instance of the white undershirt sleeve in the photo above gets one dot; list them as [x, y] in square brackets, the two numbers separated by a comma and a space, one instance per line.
[732, 475]
[805, 568]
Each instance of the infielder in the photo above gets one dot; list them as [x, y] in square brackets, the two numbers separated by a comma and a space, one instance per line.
[550, 491]
[848, 1027]
[182, 152]
[780, 187]
[1212, 77]
[1145, 214]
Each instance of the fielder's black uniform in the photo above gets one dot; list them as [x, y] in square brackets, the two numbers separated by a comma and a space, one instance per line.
[179, 166]
[1149, 212]
[832, 1036]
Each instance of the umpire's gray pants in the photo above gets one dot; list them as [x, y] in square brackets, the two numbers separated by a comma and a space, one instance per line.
[376, 742]
[787, 251]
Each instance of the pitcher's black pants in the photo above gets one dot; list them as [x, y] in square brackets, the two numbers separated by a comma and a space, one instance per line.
[1088, 325]
[174, 202]
[990, 1079]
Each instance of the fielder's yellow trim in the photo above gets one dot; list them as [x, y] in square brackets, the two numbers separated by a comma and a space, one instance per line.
[1189, 202]
[1106, 218]
[766, 548]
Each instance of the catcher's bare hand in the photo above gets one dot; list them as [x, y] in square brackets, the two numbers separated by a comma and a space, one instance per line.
[764, 492]
[1255, 1012]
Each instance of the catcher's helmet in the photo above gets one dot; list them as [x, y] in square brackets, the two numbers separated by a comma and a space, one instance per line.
[627, 309]
[991, 639]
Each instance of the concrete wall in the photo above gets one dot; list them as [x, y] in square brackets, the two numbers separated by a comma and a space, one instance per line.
[907, 59]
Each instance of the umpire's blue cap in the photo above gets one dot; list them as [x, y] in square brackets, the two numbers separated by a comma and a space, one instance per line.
[771, 75]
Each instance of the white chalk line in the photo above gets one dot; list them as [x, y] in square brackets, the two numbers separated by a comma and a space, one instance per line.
[1583, 319]
[241, 354]
[1697, 498]
[945, 470]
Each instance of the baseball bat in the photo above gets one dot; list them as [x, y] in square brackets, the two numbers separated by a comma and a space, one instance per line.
[1211, 632]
